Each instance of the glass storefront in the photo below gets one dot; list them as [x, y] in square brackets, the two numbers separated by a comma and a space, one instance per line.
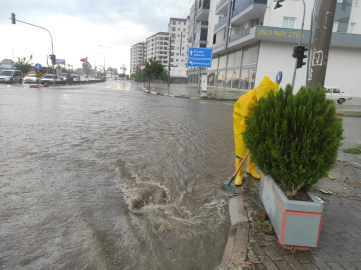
[211, 79]
[228, 82]
[236, 70]
[235, 80]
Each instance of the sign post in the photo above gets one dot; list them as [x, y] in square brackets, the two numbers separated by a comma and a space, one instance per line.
[38, 72]
[201, 58]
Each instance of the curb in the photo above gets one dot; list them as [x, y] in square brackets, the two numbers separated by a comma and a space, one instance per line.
[235, 251]
[165, 95]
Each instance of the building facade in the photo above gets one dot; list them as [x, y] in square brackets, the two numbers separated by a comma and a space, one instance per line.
[178, 31]
[157, 47]
[251, 40]
[136, 56]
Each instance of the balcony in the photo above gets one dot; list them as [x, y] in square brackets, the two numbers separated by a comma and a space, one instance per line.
[219, 46]
[203, 11]
[222, 8]
[202, 24]
[221, 24]
[248, 10]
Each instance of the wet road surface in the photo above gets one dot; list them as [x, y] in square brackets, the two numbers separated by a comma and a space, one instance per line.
[106, 176]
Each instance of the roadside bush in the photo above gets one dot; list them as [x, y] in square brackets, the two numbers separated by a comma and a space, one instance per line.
[294, 138]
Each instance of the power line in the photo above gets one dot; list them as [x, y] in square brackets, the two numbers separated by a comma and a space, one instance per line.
[187, 8]
[172, 9]
[180, 7]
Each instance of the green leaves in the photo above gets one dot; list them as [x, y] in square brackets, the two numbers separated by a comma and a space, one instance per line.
[294, 138]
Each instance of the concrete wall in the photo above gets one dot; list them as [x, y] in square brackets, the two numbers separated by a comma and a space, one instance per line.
[274, 17]
[343, 69]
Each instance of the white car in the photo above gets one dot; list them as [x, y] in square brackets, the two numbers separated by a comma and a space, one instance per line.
[31, 78]
[49, 79]
[76, 77]
[335, 94]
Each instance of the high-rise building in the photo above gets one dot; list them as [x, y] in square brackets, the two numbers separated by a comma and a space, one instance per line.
[251, 39]
[157, 48]
[136, 56]
[178, 30]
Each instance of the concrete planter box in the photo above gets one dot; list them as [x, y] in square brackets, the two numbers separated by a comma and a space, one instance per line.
[296, 223]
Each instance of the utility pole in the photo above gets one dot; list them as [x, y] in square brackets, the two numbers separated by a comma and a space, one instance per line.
[321, 44]
[170, 45]
[104, 56]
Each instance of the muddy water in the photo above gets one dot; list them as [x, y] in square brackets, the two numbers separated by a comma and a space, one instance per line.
[108, 177]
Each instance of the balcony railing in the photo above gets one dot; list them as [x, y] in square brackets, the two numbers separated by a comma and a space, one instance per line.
[220, 23]
[206, 5]
[220, 3]
[219, 44]
[200, 24]
[240, 34]
[245, 4]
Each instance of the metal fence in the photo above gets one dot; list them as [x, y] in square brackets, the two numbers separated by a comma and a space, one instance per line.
[245, 4]
[240, 34]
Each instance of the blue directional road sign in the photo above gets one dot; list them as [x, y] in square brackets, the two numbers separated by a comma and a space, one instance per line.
[37, 66]
[200, 57]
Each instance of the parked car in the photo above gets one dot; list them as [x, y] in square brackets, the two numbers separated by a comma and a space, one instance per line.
[11, 76]
[49, 79]
[76, 77]
[66, 77]
[335, 94]
[31, 78]
[86, 76]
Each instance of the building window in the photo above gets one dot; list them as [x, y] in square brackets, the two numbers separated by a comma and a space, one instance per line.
[250, 55]
[228, 81]
[173, 22]
[335, 26]
[179, 72]
[351, 28]
[173, 28]
[179, 22]
[247, 78]
[181, 60]
[177, 54]
[184, 23]
[220, 78]
[178, 29]
[288, 22]
[178, 35]
[356, 3]
[235, 80]
[176, 60]
[339, 1]
[222, 61]
[210, 80]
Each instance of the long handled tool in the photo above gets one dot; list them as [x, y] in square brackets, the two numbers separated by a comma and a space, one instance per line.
[228, 187]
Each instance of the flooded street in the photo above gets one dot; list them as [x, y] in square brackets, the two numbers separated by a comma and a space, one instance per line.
[105, 176]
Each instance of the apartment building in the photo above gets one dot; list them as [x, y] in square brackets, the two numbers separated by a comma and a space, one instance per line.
[136, 56]
[178, 30]
[251, 39]
[157, 47]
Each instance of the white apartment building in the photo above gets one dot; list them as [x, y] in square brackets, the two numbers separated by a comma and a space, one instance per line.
[136, 56]
[251, 39]
[157, 47]
[178, 29]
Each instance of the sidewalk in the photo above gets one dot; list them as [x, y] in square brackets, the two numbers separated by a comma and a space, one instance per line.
[340, 240]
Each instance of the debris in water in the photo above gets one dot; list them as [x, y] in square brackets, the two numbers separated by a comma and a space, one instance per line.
[326, 192]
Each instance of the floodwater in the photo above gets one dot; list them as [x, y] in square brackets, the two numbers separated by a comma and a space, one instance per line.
[106, 176]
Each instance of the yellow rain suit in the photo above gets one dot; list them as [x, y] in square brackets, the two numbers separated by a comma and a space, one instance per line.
[243, 108]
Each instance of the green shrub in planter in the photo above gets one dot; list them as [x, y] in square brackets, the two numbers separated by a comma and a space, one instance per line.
[294, 138]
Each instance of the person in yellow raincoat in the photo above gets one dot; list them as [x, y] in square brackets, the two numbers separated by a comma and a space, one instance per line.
[243, 108]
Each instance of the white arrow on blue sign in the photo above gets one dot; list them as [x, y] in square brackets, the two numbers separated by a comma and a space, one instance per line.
[200, 57]
[37, 66]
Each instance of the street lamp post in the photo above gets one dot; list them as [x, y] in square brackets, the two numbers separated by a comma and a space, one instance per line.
[104, 56]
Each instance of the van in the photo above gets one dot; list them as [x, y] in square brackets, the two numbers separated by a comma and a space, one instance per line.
[11, 76]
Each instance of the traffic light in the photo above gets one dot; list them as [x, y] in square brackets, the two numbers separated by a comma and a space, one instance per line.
[13, 20]
[299, 53]
[278, 5]
[52, 57]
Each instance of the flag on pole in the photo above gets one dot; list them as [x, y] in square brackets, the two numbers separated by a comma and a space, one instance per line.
[84, 59]
[31, 57]
[137, 66]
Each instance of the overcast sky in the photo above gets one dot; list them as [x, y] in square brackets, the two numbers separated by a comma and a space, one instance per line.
[78, 27]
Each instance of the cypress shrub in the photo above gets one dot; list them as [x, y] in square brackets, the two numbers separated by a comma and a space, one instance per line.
[294, 138]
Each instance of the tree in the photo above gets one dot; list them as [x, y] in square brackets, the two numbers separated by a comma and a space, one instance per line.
[87, 67]
[294, 138]
[23, 65]
[153, 70]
